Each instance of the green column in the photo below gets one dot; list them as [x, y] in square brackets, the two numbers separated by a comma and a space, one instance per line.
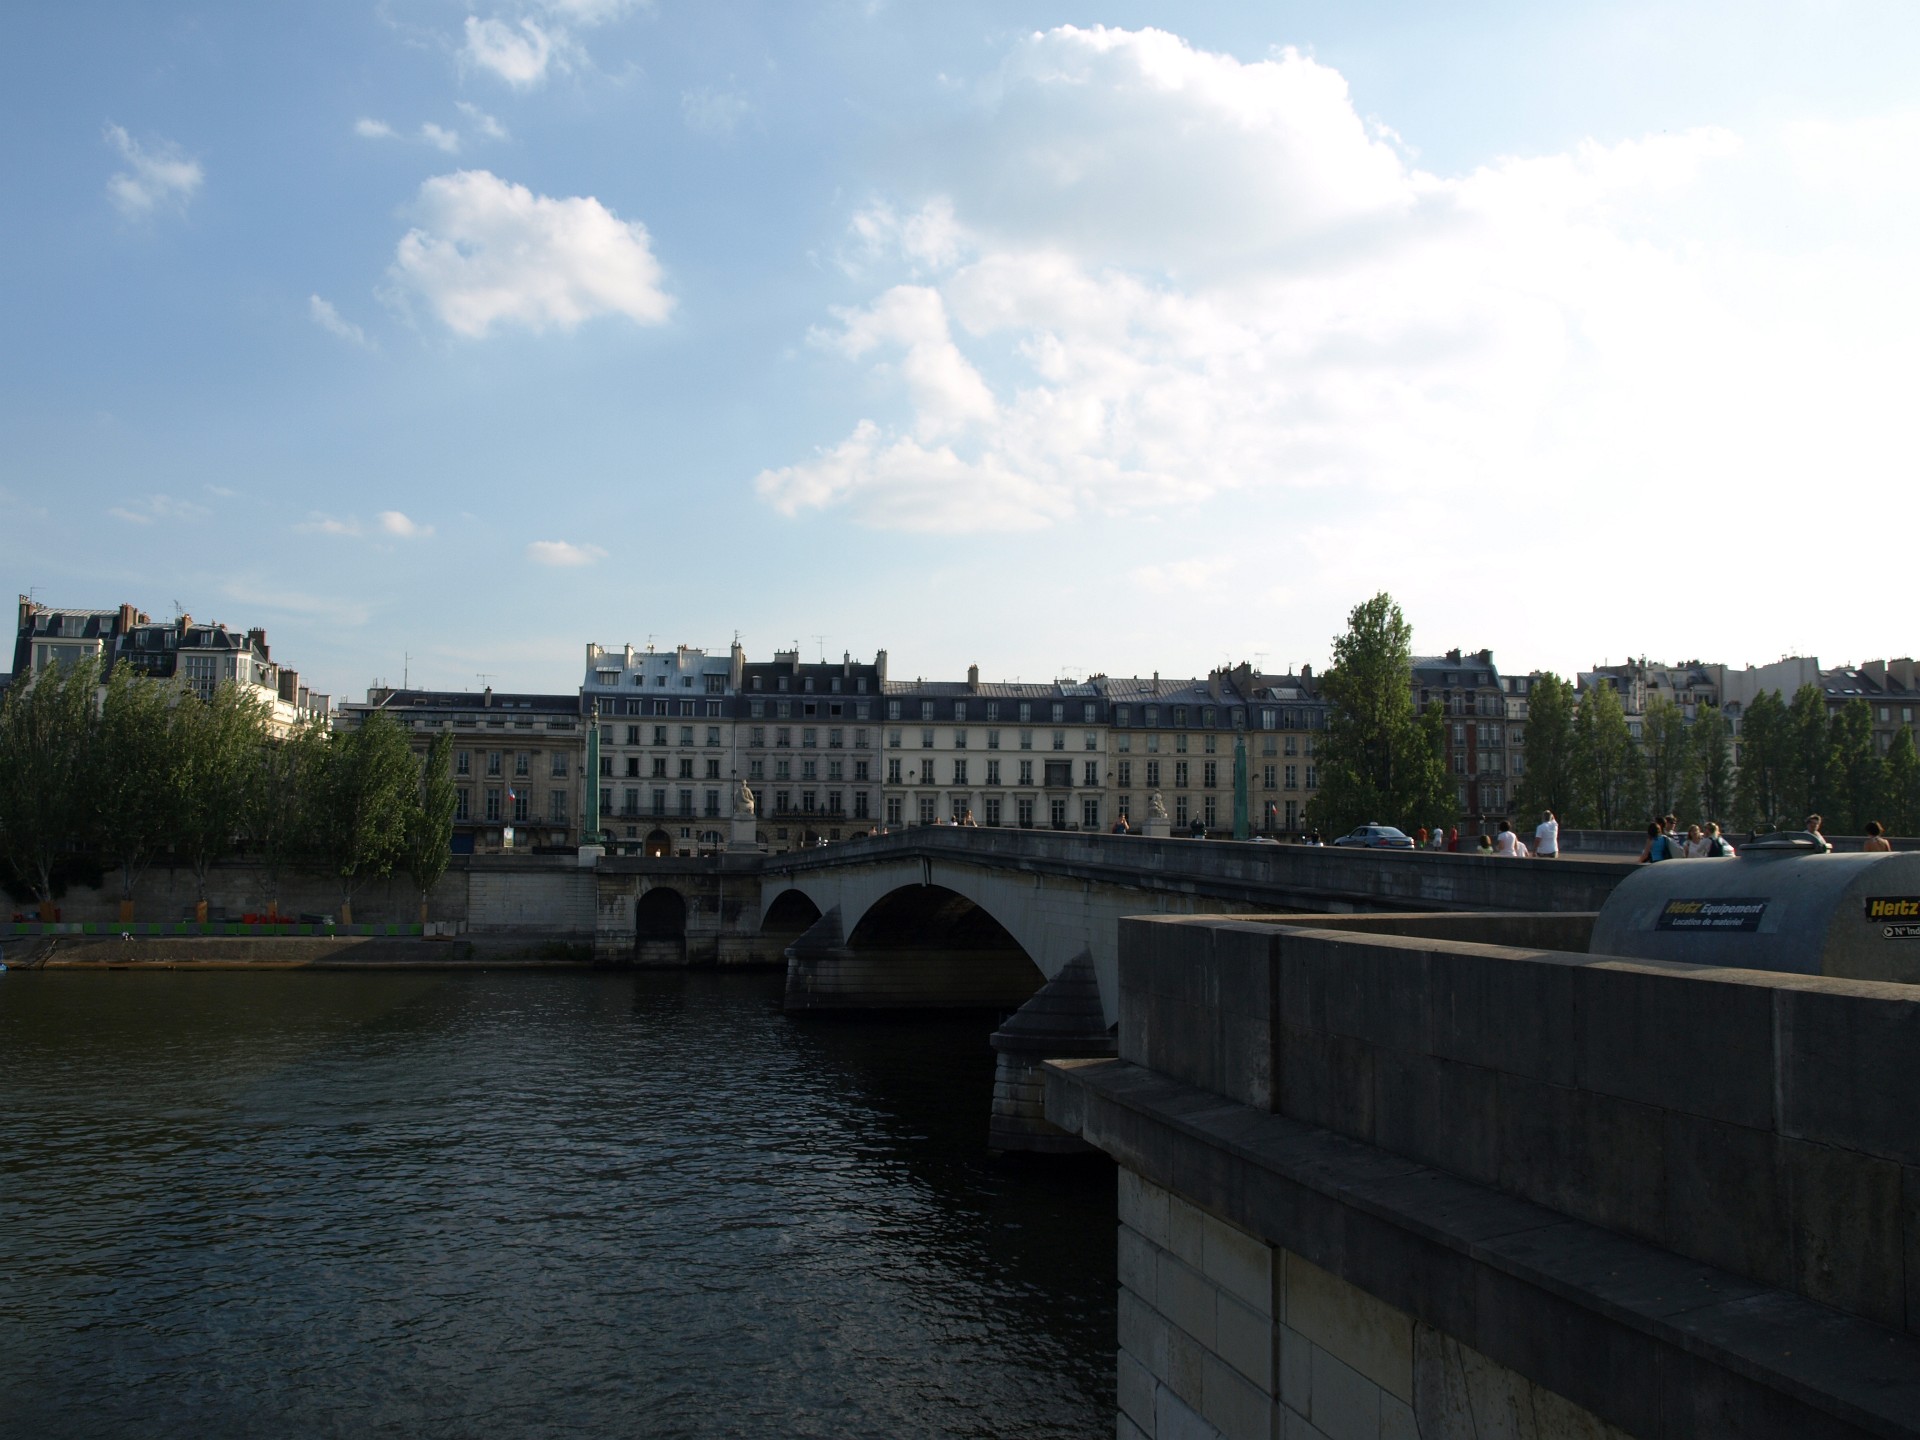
[591, 811]
[1240, 830]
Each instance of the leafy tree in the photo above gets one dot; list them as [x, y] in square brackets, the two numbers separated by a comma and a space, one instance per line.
[216, 746]
[1550, 779]
[1668, 746]
[135, 786]
[1856, 778]
[1766, 755]
[1807, 789]
[278, 800]
[1902, 785]
[429, 836]
[1713, 764]
[47, 777]
[1612, 778]
[1380, 761]
[361, 790]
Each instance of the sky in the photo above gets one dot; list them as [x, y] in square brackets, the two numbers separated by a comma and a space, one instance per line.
[442, 339]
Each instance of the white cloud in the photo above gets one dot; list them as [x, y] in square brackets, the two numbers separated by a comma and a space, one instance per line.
[713, 112]
[489, 252]
[368, 129]
[491, 128]
[323, 314]
[160, 178]
[440, 137]
[593, 12]
[1147, 278]
[564, 554]
[320, 524]
[518, 56]
[392, 522]
[152, 508]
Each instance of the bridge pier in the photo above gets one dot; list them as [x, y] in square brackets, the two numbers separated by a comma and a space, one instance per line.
[1409, 1184]
[825, 972]
[1063, 1020]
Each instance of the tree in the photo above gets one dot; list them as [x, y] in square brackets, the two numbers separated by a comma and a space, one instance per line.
[1766, 748]
[47, 740]
[362, 787]
[1807, 791]
[1902, 785]
[1380, 761]
[1668, 746]
[216, 746]
[135, 789]
[1855, 777]
[1549, 781]
[429, 835]
[1713, 764]
[278, 801]
[1612, 781]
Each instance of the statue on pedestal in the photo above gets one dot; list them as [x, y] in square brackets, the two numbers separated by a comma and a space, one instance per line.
[742, 799]
[1156, 807]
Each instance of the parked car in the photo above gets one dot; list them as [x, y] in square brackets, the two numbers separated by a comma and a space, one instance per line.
[1377, 837]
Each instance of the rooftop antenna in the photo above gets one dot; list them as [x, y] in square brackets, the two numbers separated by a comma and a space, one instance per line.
[406, 670]
[178, 608]
[483, 674]
[821, 641]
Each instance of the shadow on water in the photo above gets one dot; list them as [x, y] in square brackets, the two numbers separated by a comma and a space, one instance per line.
[439, 1204]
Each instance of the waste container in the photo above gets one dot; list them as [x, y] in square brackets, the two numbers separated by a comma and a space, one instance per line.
[1785, 908]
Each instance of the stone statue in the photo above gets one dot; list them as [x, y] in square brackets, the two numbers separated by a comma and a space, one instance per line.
[1156, 807]
[742, 798]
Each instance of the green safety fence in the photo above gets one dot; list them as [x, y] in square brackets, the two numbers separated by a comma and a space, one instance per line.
[142, 929]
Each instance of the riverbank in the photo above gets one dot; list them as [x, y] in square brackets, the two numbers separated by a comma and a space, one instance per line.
[345, 952]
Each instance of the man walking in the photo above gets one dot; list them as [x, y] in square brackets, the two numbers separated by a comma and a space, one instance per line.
[1546, 837]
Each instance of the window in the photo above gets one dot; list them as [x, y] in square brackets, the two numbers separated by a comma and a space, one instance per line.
[659, 767]
[659, 801]
[1293, 777]
[606, 767]
[713, 769]
[1026, 739]
[835, 739]
[959, 739]
[783, 709]
[686, 735]
[1026, 711]
[462, 800]
[993, 739]
[993, 709]
[860, 770]
[1091, 773]
[809, 769]
[713, 736]
[782, 737]
[1291, 745]
[1180, 744]
[1180, 815]
[1210, 774]
[893, 809]
[893, 709]
[686, 769]
[686, 802]
[1266, 777]
[1125, 777]
[1211, 744]
[1059, 712]
[493, 802]
[1313, 777]
[1023, 807]
[1026, 772]
[993, 772]
[783, 769]
[926, 739]
[926, 772]
[558, 766]
[493, 762]
[1153, 744]
[959, 772]
[633, 765]
[1179, 774]
[926, 709]
[1153, 774]
[960, 710]
[1057, 814]
[1092, 740]
[1123, 743]
[757, 709]
[756, 769]
[632, 799]
[633, 734]
[927, 803]
[1059, 774]
[809, 739]
[1124, 807]
[893, 772]
[716, 684]
[1153, 716]
[712, 798]
[993, 810]
[463, 762]
[860, 805]
[1059, 739]
[1211, 811]
[893, 739]
[659, 734]
[606, 802]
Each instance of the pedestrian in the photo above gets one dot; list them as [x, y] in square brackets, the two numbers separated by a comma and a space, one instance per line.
[1197, 830]
[1546, 836]
[1877, 842]
[1503, 841]
[1718, 846]
[1420, 836]
[1695, 845]
[1813, 829]
[1438, 839]
[1658, 846]
[1453, 839]
[1486, 845]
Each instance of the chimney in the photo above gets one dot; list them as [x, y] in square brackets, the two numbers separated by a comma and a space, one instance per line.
[973, 677]
[257, 638]
[487, 697]
[289, 685]
[880, 666]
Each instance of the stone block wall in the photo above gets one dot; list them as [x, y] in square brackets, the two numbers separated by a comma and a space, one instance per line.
[1756, 1122]
[1225, 1335]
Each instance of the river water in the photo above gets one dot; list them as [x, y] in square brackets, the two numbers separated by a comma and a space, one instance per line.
[517, 1204]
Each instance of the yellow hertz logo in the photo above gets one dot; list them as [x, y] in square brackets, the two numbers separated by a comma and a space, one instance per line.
[1905, 907]
[1683, 907]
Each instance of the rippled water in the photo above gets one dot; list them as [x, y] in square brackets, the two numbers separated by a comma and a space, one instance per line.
[517, 1204]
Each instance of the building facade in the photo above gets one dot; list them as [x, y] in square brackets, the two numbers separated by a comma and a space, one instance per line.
[1467, 686]
[809, 737]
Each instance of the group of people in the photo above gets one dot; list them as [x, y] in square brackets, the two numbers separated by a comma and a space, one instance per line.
[1505, 841]
[1665, 842]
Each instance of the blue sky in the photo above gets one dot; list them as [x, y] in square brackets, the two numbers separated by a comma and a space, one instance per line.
[1058, 338]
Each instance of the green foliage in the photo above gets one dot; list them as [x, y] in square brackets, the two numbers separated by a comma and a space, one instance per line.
[1380, 762]
[1807, 780]
[1551, 778]
[1856, 779]
[215, 744]
[135, 790]
[429, 831]
[1611, 776]
[48, 736]
[1902, 779]
[1766, 756]
[278, 798]
[361, 789]
[1667, 742]
[1713, 764]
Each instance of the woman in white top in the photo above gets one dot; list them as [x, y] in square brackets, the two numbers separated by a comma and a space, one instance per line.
[1697, 843]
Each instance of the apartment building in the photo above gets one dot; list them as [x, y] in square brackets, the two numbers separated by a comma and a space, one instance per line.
[808, 734]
